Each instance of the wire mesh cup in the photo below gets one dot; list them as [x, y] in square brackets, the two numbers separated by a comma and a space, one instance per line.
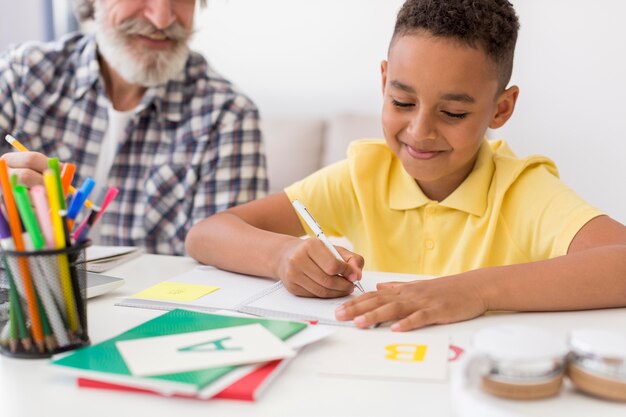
[47, 302]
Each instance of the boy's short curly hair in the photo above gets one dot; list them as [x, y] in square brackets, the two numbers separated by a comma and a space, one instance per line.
[491, 25]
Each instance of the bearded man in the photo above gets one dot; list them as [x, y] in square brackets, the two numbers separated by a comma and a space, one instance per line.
[135, 109]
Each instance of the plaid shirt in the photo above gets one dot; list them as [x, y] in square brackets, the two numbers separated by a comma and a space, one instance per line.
[192, 147]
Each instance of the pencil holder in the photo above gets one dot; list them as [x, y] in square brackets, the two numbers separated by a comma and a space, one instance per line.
[47, 302]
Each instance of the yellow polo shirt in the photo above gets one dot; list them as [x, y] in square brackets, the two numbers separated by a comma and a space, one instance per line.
[507, 211]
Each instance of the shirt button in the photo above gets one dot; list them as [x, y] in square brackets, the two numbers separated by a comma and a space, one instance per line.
[429, 244]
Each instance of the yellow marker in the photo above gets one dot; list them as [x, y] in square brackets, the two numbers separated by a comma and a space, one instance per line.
[20, 147]
[59, 241]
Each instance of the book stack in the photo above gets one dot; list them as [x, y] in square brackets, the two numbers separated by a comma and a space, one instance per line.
[108, 365]
[103, 258]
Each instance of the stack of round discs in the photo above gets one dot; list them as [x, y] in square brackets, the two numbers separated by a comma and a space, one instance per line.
[523, 362]
[597, 363]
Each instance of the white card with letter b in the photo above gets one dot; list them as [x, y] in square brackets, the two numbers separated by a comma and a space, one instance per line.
[388, 355]
[201, 350]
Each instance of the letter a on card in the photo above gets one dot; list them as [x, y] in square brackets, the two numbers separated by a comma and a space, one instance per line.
[199, 350]
[210, 346]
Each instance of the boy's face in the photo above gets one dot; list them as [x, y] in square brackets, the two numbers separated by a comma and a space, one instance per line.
[439, 99]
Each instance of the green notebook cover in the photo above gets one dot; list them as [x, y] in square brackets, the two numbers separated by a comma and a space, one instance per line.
[104, 358]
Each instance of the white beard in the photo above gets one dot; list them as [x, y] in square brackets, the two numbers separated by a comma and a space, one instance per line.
[140, 65]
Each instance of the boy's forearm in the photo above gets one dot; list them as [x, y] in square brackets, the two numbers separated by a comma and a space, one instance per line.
[226, 241]
[593, 278]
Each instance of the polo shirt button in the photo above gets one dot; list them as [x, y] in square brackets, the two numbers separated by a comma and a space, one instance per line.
[429, 244]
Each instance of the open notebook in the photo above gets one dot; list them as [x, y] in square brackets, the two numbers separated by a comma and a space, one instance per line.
[260, 296]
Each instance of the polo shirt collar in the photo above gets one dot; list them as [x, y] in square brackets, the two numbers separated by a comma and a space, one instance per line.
[404, 193]
[470, 196]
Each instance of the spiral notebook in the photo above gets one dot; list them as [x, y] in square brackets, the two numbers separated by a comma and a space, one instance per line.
[277, 302]
[259, 296]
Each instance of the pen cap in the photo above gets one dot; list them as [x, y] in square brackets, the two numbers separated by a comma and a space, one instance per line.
[522, 362]
[597, 362]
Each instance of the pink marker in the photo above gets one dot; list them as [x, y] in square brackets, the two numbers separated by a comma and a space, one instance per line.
[40, 201]
[108, 197]
[83, 229]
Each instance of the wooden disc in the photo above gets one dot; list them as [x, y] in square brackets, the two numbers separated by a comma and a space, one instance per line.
[596, 385]
[522, 391]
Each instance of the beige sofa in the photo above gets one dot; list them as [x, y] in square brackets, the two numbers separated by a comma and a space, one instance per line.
[297, 147]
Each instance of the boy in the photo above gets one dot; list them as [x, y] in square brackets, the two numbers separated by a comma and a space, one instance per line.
[436, 198]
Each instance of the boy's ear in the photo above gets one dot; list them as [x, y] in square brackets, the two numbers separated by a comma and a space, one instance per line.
[383, 74]
[504, 107]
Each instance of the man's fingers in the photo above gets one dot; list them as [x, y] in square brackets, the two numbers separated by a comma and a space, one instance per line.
[27, 177]
[30, 160]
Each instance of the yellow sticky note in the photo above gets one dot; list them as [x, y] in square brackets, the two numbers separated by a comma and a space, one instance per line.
[176, 291]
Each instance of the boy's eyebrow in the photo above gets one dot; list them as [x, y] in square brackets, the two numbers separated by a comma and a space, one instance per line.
[465, 98]
[462, 97]
[402, 86]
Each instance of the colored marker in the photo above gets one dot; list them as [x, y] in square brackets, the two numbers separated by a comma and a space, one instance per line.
[16, 233]
[20, 147]
[59, 239]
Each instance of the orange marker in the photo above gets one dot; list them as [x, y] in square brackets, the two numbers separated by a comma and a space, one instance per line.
[16, 232]
[66, 176]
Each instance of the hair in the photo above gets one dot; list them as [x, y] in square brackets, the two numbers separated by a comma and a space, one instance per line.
[84, 9]
[490, 25]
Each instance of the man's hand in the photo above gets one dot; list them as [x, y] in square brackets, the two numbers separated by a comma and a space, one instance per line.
[28, 166]
[308, 269]
[416, 304]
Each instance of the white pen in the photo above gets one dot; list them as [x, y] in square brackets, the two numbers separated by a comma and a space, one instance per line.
[317, 230]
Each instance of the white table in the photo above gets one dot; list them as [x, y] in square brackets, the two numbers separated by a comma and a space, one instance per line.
[30, 388]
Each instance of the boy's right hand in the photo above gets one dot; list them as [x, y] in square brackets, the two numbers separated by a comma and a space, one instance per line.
[308, 269]
[28, 166]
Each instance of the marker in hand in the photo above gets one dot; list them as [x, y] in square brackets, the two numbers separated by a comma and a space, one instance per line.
[317, 230]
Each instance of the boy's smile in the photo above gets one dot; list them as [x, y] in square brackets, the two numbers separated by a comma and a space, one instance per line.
[440, 96]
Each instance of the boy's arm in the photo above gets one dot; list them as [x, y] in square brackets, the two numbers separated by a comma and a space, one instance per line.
[261, 238]
[592, 275]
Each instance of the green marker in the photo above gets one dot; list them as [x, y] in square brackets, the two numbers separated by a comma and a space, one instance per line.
[28, 216]
[53, 164]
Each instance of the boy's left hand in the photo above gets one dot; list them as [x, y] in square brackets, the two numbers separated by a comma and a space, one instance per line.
[415, 304]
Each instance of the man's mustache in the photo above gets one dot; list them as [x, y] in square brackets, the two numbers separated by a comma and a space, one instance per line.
[175, 31]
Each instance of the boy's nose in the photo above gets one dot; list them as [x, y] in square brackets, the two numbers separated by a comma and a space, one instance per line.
[159, 13]
[422, 127]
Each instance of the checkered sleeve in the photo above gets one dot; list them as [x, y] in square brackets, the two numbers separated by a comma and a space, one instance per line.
[236, 171]
[8, 81]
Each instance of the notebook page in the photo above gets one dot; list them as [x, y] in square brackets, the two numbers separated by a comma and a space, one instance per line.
[276, 301]
[233, 289]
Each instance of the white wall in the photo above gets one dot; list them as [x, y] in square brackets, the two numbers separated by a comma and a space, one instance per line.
[20, 20]
[314, 58]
